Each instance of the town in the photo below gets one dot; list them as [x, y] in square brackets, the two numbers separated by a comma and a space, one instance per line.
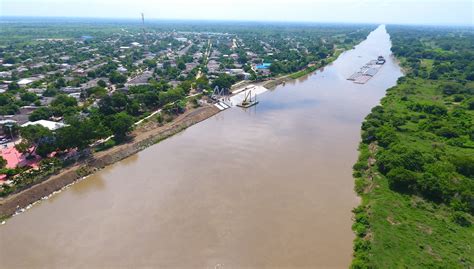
[69, 90]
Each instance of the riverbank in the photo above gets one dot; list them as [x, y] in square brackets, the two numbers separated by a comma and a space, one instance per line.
[415, 167]
[143, 137]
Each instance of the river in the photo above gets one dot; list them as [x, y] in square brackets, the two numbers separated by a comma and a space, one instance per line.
[267, 187]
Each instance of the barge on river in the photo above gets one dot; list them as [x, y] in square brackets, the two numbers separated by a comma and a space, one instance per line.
[248, 100]
[368, 71]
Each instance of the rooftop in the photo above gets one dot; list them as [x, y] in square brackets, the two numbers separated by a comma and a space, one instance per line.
[51, 125]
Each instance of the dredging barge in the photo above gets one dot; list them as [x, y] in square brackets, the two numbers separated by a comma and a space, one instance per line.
[248, 100]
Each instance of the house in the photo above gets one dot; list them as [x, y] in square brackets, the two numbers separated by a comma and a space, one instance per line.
[36, 90]
[65, 66]
[46, 101]
[236, 71]
[18, 118]
[21, 69]
[76, 95]
[141, 79]
[197, 55]
[191, 66]
[93, 83]
[239, 72]
[38, 65]
[264, 72]
[65, 58]
[234, 56]
[80, 72]
[5, 74]
[25, 81]
[51, 125]
[263, 66]
[213, 66]
[70, 89]
[122, 69]
[182, 39]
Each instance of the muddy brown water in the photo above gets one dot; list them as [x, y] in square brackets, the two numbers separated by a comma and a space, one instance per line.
[269, 187]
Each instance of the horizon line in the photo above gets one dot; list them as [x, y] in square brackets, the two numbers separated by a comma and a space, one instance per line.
[138, 19]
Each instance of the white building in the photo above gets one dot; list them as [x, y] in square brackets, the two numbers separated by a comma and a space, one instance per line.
[122, 69]
[51, 125]
[25, 81]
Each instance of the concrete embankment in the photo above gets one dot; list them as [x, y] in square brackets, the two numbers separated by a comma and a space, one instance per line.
[143, 138]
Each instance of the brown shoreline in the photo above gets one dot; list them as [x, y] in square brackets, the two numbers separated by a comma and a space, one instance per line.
[143, 138]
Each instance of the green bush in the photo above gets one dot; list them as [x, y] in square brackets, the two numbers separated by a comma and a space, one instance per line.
[402, 179]
[461, 218]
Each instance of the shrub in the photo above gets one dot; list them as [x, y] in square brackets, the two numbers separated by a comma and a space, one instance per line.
[470, 104]
[461, 218]
[448, 132]
[399, 156]
[386, 135]
[464, 165]
[402, 179]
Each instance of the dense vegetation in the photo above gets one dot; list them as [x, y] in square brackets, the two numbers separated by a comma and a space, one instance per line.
[416, 168]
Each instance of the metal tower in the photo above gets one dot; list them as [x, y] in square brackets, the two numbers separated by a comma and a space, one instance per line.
[144, 33]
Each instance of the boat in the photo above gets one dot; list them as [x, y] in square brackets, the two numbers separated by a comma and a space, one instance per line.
[380, 60]
[248, 101]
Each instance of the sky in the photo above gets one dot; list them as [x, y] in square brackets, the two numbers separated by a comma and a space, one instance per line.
[438, 12]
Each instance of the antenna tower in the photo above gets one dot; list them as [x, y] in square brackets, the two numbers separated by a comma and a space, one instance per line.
[144, 33]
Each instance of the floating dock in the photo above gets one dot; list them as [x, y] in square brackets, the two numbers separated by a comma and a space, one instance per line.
[367, 71]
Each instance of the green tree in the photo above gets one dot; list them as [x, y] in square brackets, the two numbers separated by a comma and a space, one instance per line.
[224, 81]
[64, 100]
[60, 83]
[113, 104]
[101, 83]
[402, 179]
[13, 86]
[36, 138]
[121, 124]
[28, 97]
[42, 113]
[117, 78]
[181, 65]
[80, 133]
[10, 60]
[3, 162]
